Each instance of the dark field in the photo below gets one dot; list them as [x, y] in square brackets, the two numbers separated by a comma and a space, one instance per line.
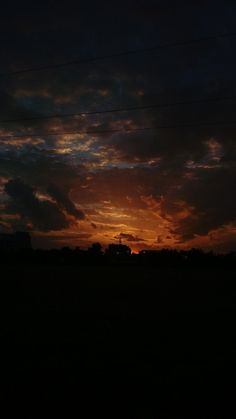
[118, 342]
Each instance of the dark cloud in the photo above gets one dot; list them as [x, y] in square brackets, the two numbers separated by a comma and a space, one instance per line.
[30, 161]
[207, 199]
[43, 215]
[129, 237]
[64, 201]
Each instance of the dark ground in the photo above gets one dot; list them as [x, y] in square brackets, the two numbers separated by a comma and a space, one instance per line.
[118, 342]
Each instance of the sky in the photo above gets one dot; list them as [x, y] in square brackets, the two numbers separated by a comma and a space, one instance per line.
[101, 177]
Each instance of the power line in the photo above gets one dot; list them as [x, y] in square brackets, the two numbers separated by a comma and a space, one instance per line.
[125, 109]
[123, 130]
[119, 54]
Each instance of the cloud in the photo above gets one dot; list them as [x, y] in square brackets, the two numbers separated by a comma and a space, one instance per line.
[43, 215]
[64, 201]
[129, 237]
[203, 203]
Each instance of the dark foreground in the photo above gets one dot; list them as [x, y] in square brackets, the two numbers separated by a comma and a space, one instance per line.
[118, 342]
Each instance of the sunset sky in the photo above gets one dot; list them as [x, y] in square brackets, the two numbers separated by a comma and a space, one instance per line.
[172, 186]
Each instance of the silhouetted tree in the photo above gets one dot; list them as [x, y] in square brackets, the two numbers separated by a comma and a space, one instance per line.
[95, 249]
[118, 250]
